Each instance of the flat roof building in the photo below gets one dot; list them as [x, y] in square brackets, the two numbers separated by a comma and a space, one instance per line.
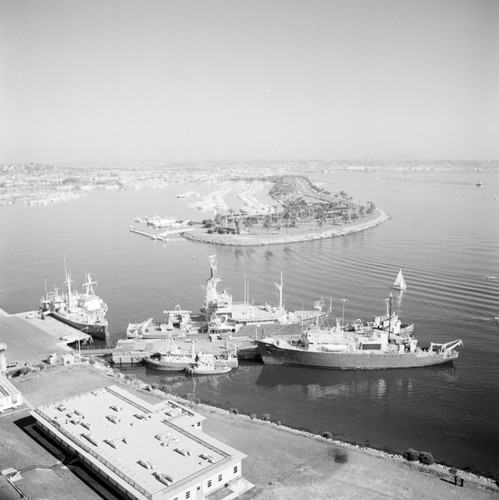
[10, 397]
[155, 452]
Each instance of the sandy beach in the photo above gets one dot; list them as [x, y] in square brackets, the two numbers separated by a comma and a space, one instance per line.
[303, 233]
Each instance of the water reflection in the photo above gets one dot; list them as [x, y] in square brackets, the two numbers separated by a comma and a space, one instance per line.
[377, 384]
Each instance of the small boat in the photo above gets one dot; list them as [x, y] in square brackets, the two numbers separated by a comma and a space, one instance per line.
[399, 283]
[490, 277]
[172, 358]
[479, 183]
[208, 364]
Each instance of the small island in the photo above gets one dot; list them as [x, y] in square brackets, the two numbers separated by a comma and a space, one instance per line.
[296, 211]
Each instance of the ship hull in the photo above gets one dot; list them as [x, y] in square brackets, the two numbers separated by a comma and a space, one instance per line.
[368, 360]
[169, 366]
[97, 331]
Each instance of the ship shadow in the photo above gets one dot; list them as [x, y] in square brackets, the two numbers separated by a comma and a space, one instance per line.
[279, 375]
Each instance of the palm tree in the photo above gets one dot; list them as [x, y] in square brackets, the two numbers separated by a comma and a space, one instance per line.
[267, 223]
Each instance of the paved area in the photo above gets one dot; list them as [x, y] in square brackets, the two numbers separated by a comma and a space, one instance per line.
[32, 340]
[283, 464]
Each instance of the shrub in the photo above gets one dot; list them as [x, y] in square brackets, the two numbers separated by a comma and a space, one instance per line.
[20, 371]
[198, 401]
[327, 435]
[190, 396]
[411, 454]
[265, 416]
[426, 458]
[233, 411]
[340, 456]
[253, 416]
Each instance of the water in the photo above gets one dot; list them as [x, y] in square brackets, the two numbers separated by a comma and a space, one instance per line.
[443, 234]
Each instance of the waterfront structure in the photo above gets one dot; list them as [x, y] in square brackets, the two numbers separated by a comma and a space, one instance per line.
[145, 451]
[10, 397]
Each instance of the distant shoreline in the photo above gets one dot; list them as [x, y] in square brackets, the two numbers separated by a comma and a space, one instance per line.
[304, 234]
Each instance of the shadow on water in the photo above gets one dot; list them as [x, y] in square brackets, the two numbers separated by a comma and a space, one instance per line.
[276, 375]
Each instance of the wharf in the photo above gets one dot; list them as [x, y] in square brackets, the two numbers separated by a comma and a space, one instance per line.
[31, 340]
[159, 236]
[133, 351]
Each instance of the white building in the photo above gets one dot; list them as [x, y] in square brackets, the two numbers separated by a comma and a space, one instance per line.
[10, 397]
[154, 452]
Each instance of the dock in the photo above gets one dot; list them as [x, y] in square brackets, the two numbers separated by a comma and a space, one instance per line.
[31, 339]
[133, 351]
[163, 236]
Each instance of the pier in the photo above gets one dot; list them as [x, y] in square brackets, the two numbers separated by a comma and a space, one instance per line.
[163, 236]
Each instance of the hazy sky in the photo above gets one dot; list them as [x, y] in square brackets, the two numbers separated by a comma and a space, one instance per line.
[139, 80]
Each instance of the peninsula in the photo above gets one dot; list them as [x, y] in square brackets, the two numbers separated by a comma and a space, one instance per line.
[306, 232]
[294, 210]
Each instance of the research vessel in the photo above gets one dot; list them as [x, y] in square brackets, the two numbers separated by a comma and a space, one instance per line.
[84, 311]
[227, 317]
[381, 344]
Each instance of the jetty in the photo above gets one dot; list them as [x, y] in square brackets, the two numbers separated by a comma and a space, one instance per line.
[164, 235]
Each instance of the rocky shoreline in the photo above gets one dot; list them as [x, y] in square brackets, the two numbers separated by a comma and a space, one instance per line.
[202, 236]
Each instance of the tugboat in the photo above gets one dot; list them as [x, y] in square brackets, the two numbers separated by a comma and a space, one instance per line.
[368, 347]
[209, 364]
[84, 311]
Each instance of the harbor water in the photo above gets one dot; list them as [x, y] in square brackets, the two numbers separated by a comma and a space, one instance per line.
[443, 233]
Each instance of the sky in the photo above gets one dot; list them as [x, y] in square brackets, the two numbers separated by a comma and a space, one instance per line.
[198, 80]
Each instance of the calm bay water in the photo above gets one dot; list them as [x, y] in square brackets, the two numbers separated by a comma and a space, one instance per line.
[444, 234]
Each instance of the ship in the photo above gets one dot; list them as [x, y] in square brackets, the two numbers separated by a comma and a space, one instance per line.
[174, 358]
[84, 311]
[368, 347]
[179, 322]
[209, 364]
[171, 358]
[227, 317]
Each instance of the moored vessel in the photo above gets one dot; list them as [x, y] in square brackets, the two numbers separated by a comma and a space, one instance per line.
[368, 347]
[209, 364]
[178, 322]
[227, 317]
[171, 358]
[84, 311]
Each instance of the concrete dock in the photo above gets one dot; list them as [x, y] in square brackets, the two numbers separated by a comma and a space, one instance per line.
[32, 340]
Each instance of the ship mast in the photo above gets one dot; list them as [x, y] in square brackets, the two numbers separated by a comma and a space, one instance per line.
[279, 287]
[389, 305]
[68, 280]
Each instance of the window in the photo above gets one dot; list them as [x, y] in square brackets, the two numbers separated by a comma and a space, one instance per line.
[209, 483]
[235, 469]
[187, 494]
[219, 478]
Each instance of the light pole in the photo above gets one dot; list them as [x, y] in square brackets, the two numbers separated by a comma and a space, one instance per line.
[280, 411]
